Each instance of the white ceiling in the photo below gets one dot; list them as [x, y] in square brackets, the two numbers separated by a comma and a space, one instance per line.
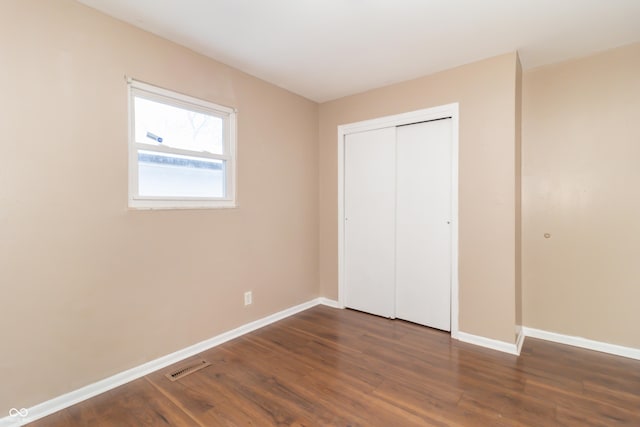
[326, 49]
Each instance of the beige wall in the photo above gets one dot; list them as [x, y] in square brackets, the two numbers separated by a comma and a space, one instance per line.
[90, 288]
[581, 169]
[486, 91]
[518, 194]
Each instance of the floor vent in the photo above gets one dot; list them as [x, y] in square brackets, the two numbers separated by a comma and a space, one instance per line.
[185, 370]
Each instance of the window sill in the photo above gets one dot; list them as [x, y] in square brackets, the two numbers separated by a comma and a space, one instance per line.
[180, 205]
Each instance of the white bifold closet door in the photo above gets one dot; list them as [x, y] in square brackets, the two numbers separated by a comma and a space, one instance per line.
[397, 237]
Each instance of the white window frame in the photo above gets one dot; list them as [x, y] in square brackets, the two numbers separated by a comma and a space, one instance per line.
[229, 117]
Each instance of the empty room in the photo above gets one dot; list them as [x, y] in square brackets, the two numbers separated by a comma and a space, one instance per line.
[320, 213]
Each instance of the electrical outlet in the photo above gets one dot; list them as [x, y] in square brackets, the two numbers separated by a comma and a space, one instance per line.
[247, 298]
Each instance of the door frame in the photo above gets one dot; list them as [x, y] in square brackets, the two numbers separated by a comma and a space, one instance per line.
[427, 114]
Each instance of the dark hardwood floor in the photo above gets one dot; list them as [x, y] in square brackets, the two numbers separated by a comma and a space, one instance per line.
[329, 367]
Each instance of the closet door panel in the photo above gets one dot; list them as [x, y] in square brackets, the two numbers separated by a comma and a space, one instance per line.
[423, 232]
[369, 223]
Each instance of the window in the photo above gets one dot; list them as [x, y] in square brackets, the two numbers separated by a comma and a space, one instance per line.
[181, 150]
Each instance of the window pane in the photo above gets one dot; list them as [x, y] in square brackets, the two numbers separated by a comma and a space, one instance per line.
[162, 124]
[170, 175]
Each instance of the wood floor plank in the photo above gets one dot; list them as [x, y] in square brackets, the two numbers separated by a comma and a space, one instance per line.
[134, 404]
[330, 367]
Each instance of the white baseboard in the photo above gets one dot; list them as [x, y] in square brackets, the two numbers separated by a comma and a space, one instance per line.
[329, 302]
[519, 339]
[66, 400]
[505, 347]
[618, 350]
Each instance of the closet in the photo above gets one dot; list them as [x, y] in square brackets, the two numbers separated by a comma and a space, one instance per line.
[397, 222]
